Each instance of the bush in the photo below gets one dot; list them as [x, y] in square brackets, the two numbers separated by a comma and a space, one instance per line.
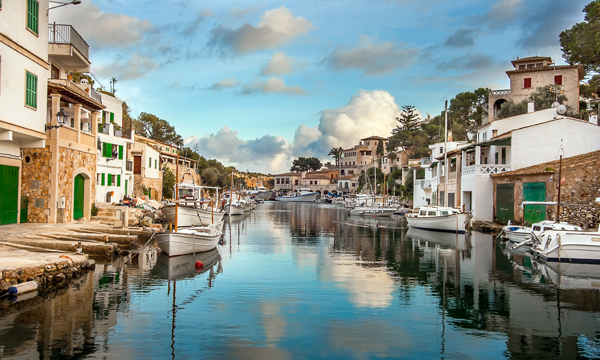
[94, 209]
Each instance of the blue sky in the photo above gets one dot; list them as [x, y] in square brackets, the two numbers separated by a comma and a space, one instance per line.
[256, 84]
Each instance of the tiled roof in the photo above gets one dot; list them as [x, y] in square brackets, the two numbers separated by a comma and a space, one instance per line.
[542, 168]
[289, 174]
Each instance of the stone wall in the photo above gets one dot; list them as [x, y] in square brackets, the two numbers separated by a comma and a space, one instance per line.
[35, 183]
[70, 160]
[152, 184]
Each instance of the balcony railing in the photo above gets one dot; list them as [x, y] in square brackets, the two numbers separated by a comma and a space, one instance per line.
[484, 169]
[425, 161]
[104, 129]
[66, 34]
[500, 92]
[95, 95]
[426, 184]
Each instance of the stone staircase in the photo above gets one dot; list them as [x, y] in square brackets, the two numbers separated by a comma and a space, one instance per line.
[107, 214]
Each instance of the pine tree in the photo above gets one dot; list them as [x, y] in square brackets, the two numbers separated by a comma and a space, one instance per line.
[409, 118]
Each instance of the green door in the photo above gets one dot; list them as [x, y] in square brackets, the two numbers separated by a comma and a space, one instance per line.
[505, 203]
[534, 192]
[125, 187]
[78, 197]
[9, 194]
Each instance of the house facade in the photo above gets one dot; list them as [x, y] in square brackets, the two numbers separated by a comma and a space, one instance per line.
[24, 70]
[147, 174]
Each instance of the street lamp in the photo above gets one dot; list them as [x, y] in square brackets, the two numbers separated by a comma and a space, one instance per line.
[61, 118]
[62, 3]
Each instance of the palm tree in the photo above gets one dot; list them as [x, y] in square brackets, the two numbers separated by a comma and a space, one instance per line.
[336, 153]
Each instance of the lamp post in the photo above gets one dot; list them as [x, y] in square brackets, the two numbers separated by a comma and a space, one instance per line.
[62, 3]
[61, 118]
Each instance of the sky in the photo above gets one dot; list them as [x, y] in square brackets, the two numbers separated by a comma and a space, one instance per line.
[256, 84]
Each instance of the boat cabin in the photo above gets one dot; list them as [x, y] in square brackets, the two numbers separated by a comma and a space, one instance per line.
[436, 211]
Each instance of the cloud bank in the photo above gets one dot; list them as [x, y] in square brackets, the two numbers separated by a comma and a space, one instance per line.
[367, 113]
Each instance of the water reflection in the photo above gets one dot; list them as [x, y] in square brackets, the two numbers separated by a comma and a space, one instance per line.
[305, 280]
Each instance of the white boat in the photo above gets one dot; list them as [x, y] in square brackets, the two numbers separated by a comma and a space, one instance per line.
[190, 240]
[302, 195]
[256, 191]
[192, 210]
[372, 211]
[438, 218]
[569, 246]
[520, 234]
[232, 204]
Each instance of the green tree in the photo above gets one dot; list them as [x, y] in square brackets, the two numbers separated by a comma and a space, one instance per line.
[409, 119]
[591, 90]
[210, 176]
[362, 180]
[411, 143]
[581, 43]
[158, 129]
[305, 164]
[168, 183]
[336, 153]
[469, 109]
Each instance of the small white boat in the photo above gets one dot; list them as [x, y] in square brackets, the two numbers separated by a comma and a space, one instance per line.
[233, 204]
[438, 218]
[569, 246]
[523, 234]
[192, 210]
[300, 195]
[190, 240]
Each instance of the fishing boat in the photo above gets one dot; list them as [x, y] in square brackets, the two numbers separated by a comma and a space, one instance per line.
[190, 240]
[519, 234]
[438, 218]
[569, 246]
[300, 195]
[233, 204]
[373, 210]
[193, 210]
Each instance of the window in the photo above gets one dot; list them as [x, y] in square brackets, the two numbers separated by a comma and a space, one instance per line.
[167, 149]
[121, 152]
[32, 15]
[527, 83]
[484, 136]
[521, 67]
[503, 156]
[278, 181]
[558, 80]
[150, 162]
[118, 180]
[106, 150]
[109, 178]
[530, 66]
[496, 158]
[54, 72]
[539, 65]
[31, 90]
[102, 183]
[155, 163]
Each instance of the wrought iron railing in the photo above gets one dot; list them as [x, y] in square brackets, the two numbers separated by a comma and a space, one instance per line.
[66, 34]
[500, 92]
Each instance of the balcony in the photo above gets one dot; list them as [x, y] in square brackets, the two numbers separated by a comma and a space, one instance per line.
[425, 161]
[65, 43]
[87, 97]
[484, 169]
[426, 184]
[500, 92]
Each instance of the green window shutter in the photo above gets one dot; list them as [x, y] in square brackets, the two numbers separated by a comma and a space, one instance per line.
[112, 117]
[103, 149]
[167, 149]
[109, 176]
[120, 151]
[33, 15]
[155, 163]
[103, 182]
[150, 162]
[109, 150]
[31, 90]
[103, 117]
[118, 180]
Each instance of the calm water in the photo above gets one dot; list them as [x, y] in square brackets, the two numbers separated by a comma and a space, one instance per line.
[297, 281]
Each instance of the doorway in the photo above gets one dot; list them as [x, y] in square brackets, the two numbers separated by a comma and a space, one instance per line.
[78, 196]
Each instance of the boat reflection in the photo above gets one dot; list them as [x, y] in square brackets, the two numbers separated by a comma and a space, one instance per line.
[448, 240]
[184, 266]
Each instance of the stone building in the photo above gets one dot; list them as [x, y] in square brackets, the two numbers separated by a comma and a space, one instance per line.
[60, 179]
[580, 186]
[533, 72]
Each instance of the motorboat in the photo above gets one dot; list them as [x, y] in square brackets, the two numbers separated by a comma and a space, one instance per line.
[233, 204]
[190, 240]
[569, 246]
[374, 211]
[524, 235]
[300, 195]
[438, 218]
[192, 209]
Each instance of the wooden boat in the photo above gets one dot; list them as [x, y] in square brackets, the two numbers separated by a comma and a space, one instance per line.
[437, 218]
[374, 211]
[190, 240]
[192, 210]
[300, 195]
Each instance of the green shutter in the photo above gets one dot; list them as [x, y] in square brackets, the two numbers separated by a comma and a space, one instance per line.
[33, 15]
[103, 182]
[109, 176]
[104, 147]
[112, 117]
[118, 180]
[120, 151]
[155, 163]
[150, 163]
[109, 150]
[31, 90]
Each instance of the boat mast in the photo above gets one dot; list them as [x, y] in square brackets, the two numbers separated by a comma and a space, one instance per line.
[176, 188]
[559, 182]
[446, 153]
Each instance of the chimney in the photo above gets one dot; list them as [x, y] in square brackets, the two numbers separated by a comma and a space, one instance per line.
[530, 107]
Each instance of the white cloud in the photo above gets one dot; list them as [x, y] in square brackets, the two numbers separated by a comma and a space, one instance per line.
[277, 27]
[372, 58]
[271, 86]
[278, 65]
[368, 113]
[226, 83]
[137, 66]
[101, 28]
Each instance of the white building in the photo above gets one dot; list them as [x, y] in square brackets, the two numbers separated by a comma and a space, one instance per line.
[114, 170]
[24, 69]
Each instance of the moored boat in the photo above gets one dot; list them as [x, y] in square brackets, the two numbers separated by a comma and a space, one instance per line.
[569, 246]
[191, 240]
[437, 218]
[301, 195]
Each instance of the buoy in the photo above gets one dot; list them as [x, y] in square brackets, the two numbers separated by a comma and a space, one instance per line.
[199, 265]
[22, 288]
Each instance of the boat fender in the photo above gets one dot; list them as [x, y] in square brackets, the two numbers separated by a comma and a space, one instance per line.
[22, 288]
[199, 265]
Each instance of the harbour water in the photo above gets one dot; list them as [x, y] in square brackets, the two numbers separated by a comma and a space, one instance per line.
[305, 281]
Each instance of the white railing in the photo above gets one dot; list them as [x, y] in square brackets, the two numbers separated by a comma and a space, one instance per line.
[484, 169]
[418, 182]
[426, 184]
[500, 92]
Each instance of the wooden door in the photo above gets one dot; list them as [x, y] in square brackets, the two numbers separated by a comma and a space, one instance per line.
[505, 203]
[78, 196]
[534, 192]
[9, 194]
[137, 165]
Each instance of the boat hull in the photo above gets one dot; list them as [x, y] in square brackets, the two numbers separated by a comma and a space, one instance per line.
[190, 216]
[374, 212]
[177, 243]
[454, 223]
[575, 247]
[233, 210]
[519, 234]
[301, 198]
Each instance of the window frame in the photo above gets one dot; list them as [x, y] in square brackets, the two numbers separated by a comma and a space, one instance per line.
[525, 81]
[560, 78]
